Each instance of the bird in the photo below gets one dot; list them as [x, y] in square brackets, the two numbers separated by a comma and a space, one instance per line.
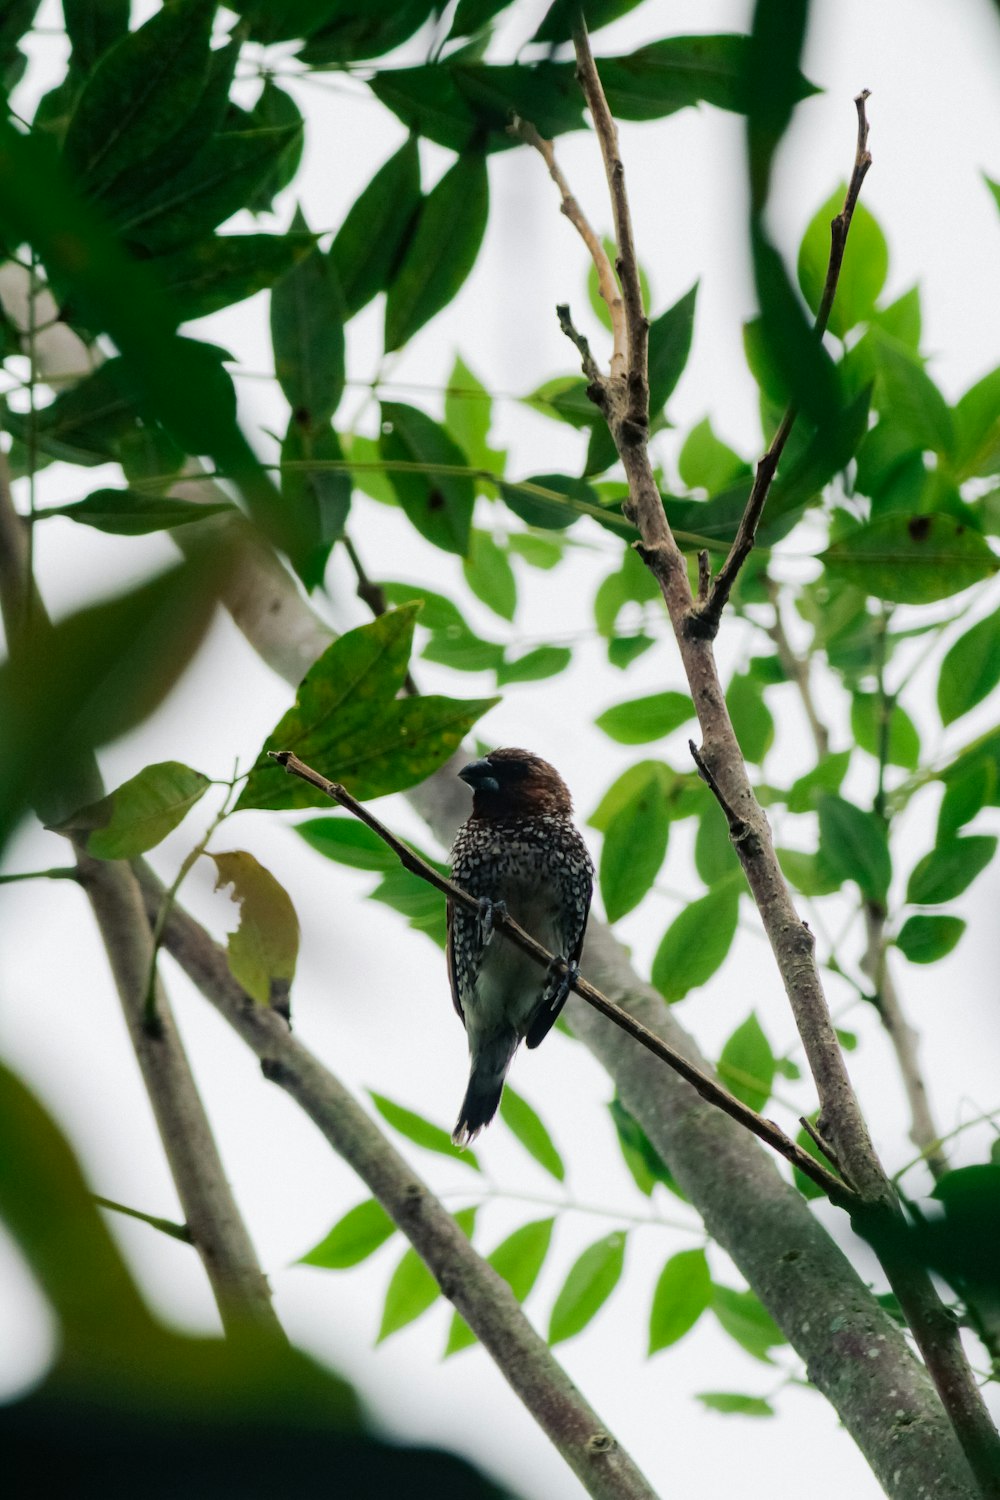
[520, 853]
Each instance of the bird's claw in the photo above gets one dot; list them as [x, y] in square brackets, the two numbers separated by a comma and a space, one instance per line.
[488, 913]
[563, 974]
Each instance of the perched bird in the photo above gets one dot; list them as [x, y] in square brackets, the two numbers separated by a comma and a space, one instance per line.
[519, 852]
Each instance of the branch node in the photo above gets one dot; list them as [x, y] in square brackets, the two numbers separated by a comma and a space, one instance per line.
[587, 360]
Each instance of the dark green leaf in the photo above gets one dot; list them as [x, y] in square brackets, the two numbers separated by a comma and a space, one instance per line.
[745, 1319]
[226, 268]
[714, 855]
[854, 846]
[911, 559]
[316, 501]
[558, 22]
[348, 842]
[275, 111]
[906, 390]
[128, 513]
[669, 347]
[925, 939]
[442, 251]
[964, 794]
[682, 1293]
[307, 331]
[549, 511]
[423, 907]
[949, 869]
[139, 93]
[472, 15]
[752, 720]
[355, 31]
[746, 1064]
[591, 1280]
[348, 724]
[92, 29]
[263, 950]
[458, 648]
[805, 372]
[421, 1132]
[141, 812]
[641, 720]
[373, 237]
[489, 575]
[869, 713]
[352, 1239]
[977, 428]
[826, 776]
[668, 75]
[641, 1157]
[540, 662]
[412, 1289]
[519, 1116]
[635, 843]
[705, 462]
[518, 1259]
[863, 270]
[970, 670]
[437, 500]
[623, 650]
[696, 942]
[733, 1403]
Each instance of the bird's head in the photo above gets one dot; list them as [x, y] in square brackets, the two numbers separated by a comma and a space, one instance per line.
[513, 783]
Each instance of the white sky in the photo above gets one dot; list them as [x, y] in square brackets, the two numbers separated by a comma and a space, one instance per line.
[371, 998]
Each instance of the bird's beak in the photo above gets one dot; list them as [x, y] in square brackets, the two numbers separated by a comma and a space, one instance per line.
[479, 775]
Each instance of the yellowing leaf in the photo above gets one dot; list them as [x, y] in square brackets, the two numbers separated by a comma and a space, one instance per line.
[263, 949]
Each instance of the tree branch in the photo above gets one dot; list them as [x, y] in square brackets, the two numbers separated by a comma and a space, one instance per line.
[213, 1219]
[837, 1191]
[482, 1297]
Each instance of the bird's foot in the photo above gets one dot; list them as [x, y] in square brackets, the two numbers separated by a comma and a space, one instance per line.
[488, 913]
[562, 974]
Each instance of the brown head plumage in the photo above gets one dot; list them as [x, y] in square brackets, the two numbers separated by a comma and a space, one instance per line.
[511, 783]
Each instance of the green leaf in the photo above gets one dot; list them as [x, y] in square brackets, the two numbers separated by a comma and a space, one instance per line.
[744, 1317]
[964, 795]
[537, 551]
[805, 1185]
[862, 273]
[129, 513]
[682, 1294]
[641, 1157]
[348, 724]
[696, 942]
[519, 1116]
[442, 251]
[925, 939]
[316, 501]
[347, 842]
[421, 1132]
[352, 1239]
[489, 575]
[307, 332]
[518, 1259]
[275, 111]
[804, 371]
[591, 1280]
[668, 75]
[911, 559]
[640, 720]
[705, 462]
[597, 302]
[855, 847]
[354, 31]
[263, 950]
[669, 347]
[622, 792]
[139, 93]
[635, 843]
[809, 873]
[746, 1064]
[549, 513]
[468, 409]
[977, 429]
[733, 1403]
[902, 741]
[424, 908]
[714, 855]
[372, 239]
[901, 319]
[412, 1288]
[970, 670]
[949, 869]
[826, 776]
[141, 812]
[541, 661]
[906, 390]
[92, 29]
[752, 720]
[227, 268]
[439, 501]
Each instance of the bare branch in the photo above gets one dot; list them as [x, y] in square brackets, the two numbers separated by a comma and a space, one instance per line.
[796, 669]
[707, 1087]
[482, 1297]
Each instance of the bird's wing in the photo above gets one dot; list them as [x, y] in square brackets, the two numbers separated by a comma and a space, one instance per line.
[456, 1002]
[554, 997]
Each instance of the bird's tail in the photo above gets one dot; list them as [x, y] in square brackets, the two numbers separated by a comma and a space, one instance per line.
[482, 1097]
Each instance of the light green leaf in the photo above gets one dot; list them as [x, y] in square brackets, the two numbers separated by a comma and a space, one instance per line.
[421, 1132]
[141, 812]
[901, 319]
[641, 720]
[745, 1319]
[412, 1288]
[964, 795]
[518, 1115]
[854, 846]
[906, 390]
[541, 661]
[437, 496]
[490, 576]
[640, 1155]
[925, 939]
[352, 1239]
[746, 1064]
[970, 670]
[468, 409]
[537, 551]
[591, 1280]
[752, 720]
[714, 855]
[682, 1293]
[949, 869]
[808, 873]
[862, 273]
[733, 1403]
[707, 463]
[912, 559]
[518, 1259]
[635, 843]
[977, 429]
[902, 741]
[442, 251]
[826, 776]
[696, 942]
[263, 950]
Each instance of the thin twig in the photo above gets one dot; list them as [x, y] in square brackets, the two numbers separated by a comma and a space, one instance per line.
[796, 669]
[839, 1192]
[372, 594]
